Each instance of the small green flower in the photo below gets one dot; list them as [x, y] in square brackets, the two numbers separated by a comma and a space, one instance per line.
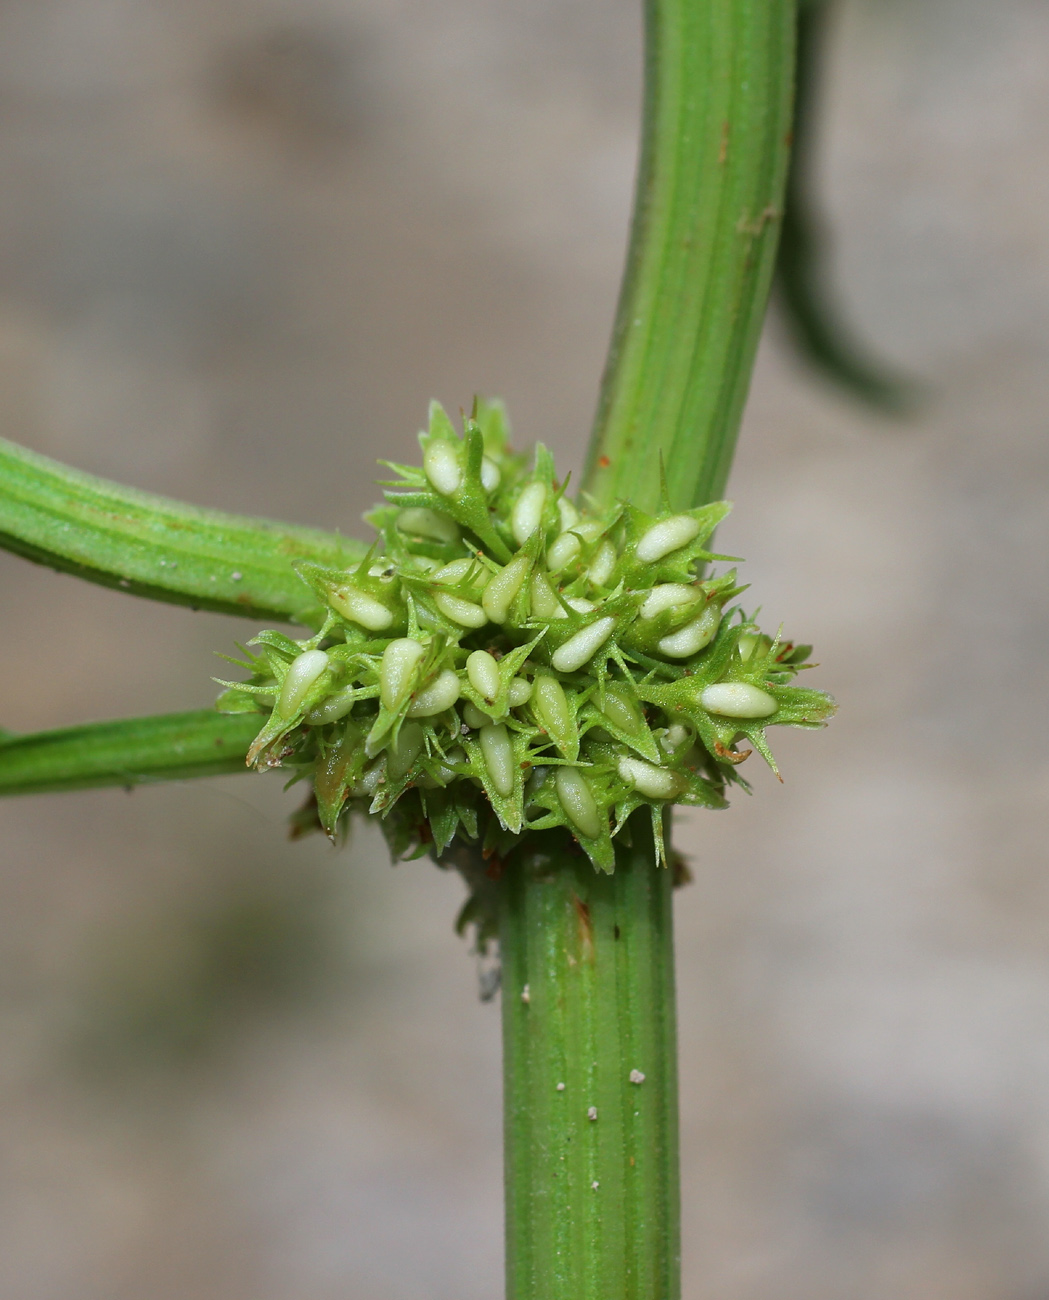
[507, 661]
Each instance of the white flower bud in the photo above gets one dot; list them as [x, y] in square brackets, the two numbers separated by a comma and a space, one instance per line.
[490, 475]
[666, 536]
[463, 612]
[668, 595]
[527, 513]
[417, 521]
[691, 638]
[621, 710]
[748, 643]
[562, 551]
[653, 782]
[334, 707]
[676, 735]
[360, 608]
[441, 694]
[738, 700]
[581, 648]
[369, 782]
[498, 752]
[577, 799]
[580, 604]
[501, 591]
[483, 672]
[568, 513]
[446, 772]
[520, 692]
[550, 706]
[473, 717]
[544, 603]
[302, 672]
[603, 564]
[398, 670]
[456, 571]
[403, 754]
[441, 466]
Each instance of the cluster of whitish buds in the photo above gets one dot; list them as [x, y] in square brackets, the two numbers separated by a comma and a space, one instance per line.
[504, 661]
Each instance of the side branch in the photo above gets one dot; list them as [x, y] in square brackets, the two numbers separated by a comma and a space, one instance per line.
[152, 546]
[128, 752]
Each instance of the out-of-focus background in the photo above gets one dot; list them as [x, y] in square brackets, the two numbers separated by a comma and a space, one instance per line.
[242, 243]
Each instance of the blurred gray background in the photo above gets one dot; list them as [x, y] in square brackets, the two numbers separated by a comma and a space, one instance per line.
[242, 243]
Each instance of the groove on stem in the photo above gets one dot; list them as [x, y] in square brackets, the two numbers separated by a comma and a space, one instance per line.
[152, 546]
[588, 1009]
[708, 203]
[127, 752]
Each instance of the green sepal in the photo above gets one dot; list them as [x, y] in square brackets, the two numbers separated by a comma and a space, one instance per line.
[239, 699]
[339, 767]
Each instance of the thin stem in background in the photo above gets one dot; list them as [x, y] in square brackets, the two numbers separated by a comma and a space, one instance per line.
[801, 282]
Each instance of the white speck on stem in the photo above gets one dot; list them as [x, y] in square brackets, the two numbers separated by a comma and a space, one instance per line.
[594, 1186]
[636, 1076]
[560, 1087]
[591, 1114]
[236, 576]
[526, 994]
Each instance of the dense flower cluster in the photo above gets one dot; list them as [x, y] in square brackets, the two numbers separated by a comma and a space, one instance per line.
[505, 660]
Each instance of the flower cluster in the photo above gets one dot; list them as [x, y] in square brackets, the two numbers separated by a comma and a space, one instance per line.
[504, 660]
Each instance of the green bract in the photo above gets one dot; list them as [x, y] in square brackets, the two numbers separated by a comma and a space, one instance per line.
[504, 660]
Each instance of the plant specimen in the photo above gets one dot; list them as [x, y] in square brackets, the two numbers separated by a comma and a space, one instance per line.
[517, 678]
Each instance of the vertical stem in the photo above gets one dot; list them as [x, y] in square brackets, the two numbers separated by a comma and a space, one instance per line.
[715, 145]
[592, 1208]
[588, 983]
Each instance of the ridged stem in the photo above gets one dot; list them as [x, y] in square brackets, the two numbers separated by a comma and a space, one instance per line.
[152, 546]
[127, 752]
[590, 1075]
[715, 146]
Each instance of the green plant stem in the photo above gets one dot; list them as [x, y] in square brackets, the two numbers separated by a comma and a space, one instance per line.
[588, 998]
[594, 954]
[715, 147]
[152, 546]
[129, 752]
